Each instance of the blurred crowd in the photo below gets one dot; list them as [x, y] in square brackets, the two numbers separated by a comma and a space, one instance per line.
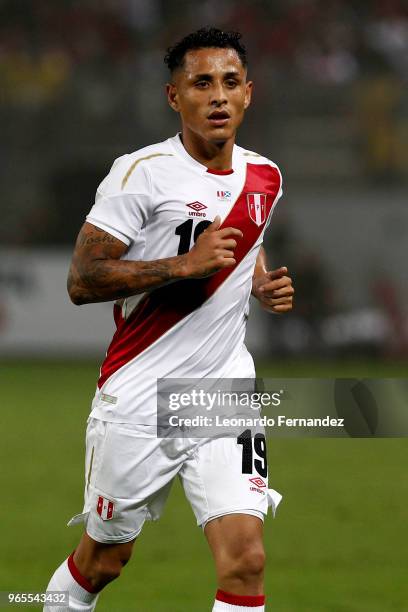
[98, 64]
[45, 45]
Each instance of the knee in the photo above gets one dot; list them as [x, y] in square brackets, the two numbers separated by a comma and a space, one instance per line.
[108, 567]
[106, 570]
[251, 562]
[248, 565]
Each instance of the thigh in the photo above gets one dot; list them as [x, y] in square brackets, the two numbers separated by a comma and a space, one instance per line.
[230, 535]
[227, 476]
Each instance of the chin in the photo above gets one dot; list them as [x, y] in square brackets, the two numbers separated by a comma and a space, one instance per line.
[218, 135]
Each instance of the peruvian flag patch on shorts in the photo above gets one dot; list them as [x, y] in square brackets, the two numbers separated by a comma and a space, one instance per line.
[105, 508]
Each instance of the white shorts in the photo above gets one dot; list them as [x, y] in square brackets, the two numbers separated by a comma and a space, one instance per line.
[129, 472]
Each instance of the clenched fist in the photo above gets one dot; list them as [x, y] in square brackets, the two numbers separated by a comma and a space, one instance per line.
[213, 250]
[274, 290]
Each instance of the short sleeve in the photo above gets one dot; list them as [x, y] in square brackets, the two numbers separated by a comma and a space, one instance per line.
[122, 208]
[277, 198]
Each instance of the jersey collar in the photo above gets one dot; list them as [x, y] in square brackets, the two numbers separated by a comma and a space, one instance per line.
[179, 147]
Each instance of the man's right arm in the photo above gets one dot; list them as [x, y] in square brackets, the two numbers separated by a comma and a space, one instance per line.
[97, 274]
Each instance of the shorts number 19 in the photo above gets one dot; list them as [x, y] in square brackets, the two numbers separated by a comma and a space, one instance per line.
[259, 445]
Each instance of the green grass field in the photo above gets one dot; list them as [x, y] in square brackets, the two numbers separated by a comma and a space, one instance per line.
[338, 543]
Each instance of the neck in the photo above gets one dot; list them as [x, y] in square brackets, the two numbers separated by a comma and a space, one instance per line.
[214, 155]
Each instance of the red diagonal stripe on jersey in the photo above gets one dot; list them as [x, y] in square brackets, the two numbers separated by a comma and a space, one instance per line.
[163, 308]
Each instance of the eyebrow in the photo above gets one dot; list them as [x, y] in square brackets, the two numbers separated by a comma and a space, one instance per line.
[209, 77]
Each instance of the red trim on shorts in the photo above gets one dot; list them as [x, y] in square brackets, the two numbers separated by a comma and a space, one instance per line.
[220, 172]
[77, 576]
[251, 601]
[161, 309]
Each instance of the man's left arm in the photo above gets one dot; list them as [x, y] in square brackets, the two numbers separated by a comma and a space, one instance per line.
[272, 288]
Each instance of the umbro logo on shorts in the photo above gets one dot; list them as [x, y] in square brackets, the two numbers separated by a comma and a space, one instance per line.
[105, 508]
[258, 482]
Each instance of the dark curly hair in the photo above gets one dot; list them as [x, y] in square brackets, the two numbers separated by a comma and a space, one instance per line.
[203, 38]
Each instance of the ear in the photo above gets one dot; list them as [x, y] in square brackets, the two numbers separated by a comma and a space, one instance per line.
[172, 96]
[248, 94]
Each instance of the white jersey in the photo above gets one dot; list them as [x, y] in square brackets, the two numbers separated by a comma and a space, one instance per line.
[157, 201]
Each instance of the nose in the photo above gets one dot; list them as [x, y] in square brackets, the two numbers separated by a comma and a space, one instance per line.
[218, 96]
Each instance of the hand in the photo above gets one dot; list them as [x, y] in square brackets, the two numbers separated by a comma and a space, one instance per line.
[213, 250]
[274, 290]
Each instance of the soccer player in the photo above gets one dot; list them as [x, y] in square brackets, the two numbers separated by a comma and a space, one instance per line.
[175, 239]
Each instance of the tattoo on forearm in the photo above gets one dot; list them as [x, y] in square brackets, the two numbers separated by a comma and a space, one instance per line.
[115, 279]
[98, 273]
[111, 279]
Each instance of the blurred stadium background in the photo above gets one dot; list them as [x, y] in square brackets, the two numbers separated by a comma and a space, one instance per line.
[81, 82]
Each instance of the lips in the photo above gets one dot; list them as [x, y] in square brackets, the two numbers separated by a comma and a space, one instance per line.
[218, 118]
[219, 115]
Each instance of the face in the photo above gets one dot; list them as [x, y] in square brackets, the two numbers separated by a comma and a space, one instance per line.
[211, 93]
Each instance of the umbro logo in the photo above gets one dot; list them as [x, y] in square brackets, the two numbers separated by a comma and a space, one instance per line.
[259, 485]
[257, 481]
[197, 209]
[196, 206]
